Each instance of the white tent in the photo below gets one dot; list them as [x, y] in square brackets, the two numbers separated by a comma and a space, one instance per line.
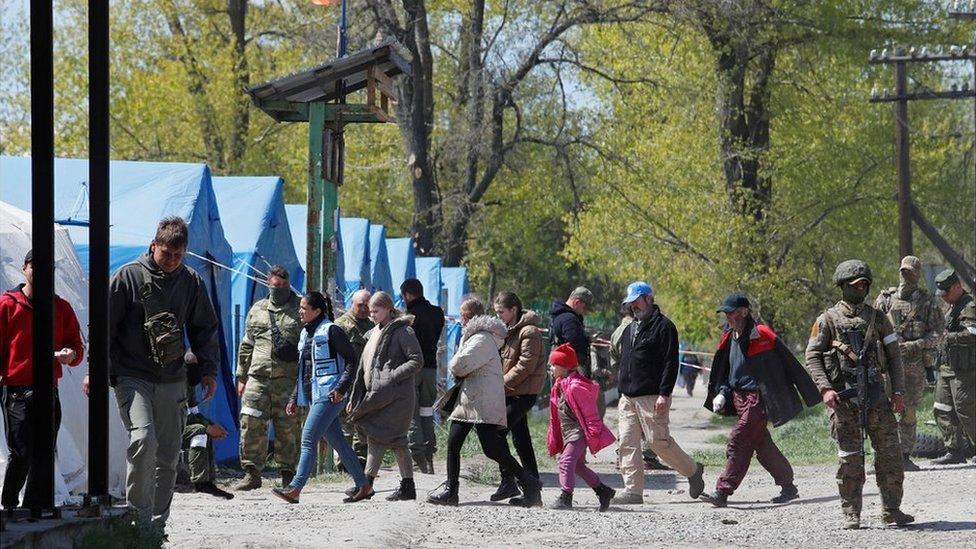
[71, 284]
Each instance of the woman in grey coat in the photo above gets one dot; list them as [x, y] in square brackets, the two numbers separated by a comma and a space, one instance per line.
[383, 397]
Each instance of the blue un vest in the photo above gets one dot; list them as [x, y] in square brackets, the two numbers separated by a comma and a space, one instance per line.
[326, 369]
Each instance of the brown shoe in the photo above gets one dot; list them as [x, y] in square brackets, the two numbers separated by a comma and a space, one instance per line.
[251, 480]
[364, 492]
[288, 494]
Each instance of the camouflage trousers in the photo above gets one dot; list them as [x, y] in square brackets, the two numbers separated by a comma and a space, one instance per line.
[264, 400]
[353, 436]
[914, 389]
[199, 453]
[883, 433]
[955, 407]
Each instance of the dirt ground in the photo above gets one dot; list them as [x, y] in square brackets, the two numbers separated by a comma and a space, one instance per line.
[943, 500]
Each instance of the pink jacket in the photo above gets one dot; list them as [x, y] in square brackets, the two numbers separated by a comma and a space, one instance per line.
[581, 394]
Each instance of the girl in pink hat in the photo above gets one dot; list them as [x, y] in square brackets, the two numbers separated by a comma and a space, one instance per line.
[574, 426]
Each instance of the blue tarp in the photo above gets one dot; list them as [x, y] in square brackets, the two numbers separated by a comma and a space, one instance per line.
[260, 237]
[379, 263]
[429, 274]
[356, 256]
[142, 194]
[402, 266]
[298, 224]
[455, 281]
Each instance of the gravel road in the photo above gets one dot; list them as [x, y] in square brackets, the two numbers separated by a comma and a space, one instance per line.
[943, 500]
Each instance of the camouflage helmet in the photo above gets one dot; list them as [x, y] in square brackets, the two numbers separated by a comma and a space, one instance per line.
[851, 270]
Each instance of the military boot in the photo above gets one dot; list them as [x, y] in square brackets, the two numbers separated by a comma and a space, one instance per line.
[251, 480]
[406, 491]
[894, 517]
[563, 503]
[852, 521]
[908, 465]
[951, 457]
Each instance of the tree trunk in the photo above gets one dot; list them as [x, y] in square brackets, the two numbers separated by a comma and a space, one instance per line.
[237, 12]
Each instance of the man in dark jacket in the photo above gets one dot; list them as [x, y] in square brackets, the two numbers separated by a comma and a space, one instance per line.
[566, 326]
[755, 377]
[155, 304]
[428, 324]
[648, 370]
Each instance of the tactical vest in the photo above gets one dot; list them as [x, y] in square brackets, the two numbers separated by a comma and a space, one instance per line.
[851, 334]
[907, 316]
[961, 353]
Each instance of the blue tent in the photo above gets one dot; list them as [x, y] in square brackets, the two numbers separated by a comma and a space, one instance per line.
[142, 194]
[454, 280]
[429, 274]
[402, 266]
[379, 262]
[298, 224]
[355, 256]
[259, 234]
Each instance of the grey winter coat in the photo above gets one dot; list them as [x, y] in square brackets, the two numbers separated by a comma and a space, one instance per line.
[479, 364]
[383, 410]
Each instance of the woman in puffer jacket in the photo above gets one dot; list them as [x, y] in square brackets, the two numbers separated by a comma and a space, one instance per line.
[481, 404]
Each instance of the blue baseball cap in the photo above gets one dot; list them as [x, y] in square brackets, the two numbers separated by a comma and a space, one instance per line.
[637, 289]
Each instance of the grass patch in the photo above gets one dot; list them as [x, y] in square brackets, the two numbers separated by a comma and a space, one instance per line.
[122, 534]
[806, 439]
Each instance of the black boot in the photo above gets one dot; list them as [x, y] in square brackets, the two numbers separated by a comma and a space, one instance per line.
[908, 465]
[951, 457]
[604, 493]
[787, 493]
[531, 491]
[449, 496]
[406, 491]
[563, 503]
[213, 490]
[508, 488]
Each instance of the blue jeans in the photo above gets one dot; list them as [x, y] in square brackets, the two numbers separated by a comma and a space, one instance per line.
[323, 420]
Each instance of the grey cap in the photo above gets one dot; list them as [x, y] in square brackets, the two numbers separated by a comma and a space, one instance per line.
[850, 271]
[583, 294]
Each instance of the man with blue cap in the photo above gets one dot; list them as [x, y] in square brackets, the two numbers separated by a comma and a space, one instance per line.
[648, 370]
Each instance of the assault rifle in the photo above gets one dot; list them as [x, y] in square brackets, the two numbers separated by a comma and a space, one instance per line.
[866, 388]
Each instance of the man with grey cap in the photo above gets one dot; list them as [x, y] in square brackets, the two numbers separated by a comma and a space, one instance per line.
[566, 326]
[648, 370]
[955, 392]
[918, 323]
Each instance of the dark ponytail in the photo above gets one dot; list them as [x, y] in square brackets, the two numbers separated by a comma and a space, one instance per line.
[316, 300]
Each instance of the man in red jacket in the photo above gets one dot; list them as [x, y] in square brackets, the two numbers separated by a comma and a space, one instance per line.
[17, 377]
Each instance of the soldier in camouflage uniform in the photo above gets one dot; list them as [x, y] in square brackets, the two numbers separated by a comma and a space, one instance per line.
[198, 436]
[918, 324]
[955, 392]
[265, 382]
[831, 359]
[355, 323]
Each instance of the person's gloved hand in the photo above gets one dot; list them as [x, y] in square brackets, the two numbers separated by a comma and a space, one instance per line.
[718, 403]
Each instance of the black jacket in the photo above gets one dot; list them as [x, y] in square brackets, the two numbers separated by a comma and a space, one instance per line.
[185, 295]
[566, 326]
[779, 374]
[428, 325]
[649, 361]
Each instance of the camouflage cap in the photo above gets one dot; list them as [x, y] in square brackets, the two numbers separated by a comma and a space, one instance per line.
[852, 270]
[911, 263]
[946, 280]
[583, 294]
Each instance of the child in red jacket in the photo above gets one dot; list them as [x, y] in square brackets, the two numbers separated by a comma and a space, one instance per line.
[574, 425]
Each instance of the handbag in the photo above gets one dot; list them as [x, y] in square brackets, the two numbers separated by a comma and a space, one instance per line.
[449, 399]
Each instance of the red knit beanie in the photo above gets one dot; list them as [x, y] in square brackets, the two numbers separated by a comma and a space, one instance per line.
[564, 356]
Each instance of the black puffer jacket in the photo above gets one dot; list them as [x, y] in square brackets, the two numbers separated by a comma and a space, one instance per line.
[428, 325]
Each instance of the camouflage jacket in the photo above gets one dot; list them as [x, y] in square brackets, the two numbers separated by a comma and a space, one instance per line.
[254, 357]
[960, 338]
[355, 329]
[916, 320]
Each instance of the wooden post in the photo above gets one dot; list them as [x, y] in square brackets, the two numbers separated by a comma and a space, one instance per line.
[316, 187]
[904, 174]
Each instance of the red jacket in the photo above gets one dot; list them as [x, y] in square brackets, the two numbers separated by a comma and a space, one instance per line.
[16, 337]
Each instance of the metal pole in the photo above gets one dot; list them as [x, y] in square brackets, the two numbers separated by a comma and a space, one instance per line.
[98, 231]
[42, 220]
[904, 173]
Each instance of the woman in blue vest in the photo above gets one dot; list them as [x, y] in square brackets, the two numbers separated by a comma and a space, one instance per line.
[326, 365]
